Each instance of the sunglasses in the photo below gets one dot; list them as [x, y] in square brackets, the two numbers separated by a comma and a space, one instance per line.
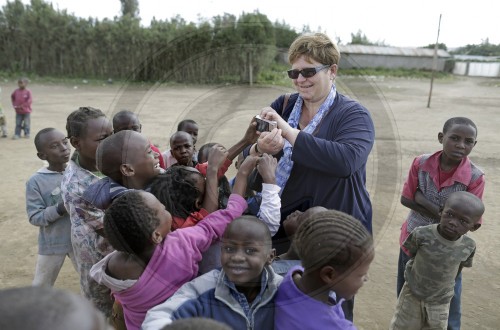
[306, 73]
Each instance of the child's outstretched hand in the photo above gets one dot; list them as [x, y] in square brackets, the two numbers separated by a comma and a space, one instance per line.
[217, 155]
[240, 184]
[251, 135]
[266, 165]
[247, 166]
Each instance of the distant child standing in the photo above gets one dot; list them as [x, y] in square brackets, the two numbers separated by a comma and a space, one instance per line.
[336, 252]
[3, 119]
[431, 179]
[438, 254]
[21, 101]
[86, 128]
[46, 209]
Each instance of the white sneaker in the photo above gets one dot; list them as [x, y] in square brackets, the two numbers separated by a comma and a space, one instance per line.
[15, 137]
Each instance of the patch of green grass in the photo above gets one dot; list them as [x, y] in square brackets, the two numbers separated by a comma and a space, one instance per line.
[402, 73]
[274, 75]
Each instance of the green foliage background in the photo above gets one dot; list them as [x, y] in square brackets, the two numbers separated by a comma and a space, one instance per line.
[36, 39]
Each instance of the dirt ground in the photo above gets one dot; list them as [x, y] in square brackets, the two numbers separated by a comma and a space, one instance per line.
[405, 127]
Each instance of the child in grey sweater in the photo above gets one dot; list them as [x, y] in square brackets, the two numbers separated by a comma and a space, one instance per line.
[45, 207]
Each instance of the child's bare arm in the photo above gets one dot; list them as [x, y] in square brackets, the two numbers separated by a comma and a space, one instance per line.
[266, 166]
[417, 207]
[240, 184]
[249, 138]
[432, 208]
[216, 157]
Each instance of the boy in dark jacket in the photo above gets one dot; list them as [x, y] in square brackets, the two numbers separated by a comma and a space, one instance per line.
[240, 295]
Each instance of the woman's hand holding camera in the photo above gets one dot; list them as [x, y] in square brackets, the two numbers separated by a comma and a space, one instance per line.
[270, 142]
[287, 131]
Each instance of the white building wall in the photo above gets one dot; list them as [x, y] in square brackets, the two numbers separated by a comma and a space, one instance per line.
[389, 61]
[460, 68]
[480, 69]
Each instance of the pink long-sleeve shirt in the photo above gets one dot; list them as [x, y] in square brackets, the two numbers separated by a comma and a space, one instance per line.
[174, 262]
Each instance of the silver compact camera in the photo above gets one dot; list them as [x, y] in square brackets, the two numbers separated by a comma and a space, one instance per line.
[264, 125]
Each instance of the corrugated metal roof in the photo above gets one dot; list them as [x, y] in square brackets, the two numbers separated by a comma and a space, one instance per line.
[476, 58]
[390, 51]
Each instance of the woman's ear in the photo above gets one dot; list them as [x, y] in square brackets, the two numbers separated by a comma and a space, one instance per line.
[333, 71]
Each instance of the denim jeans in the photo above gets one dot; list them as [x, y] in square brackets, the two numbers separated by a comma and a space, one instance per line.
[454, 318]
[22, 122]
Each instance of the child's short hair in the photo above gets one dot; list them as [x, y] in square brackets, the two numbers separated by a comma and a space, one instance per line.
[122, 120]
[181, 134]
[473, 203]
[196, 323]
[204, 150]
[38, 137]
[266, 238]
[177, 190]
[331, 238]
[24, 80]
[112, 152]
[458, 121]
[40, 307]
[129, 223]
[182, 123]
[77, 120]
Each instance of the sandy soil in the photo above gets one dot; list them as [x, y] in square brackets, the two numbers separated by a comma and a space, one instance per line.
[405, 127]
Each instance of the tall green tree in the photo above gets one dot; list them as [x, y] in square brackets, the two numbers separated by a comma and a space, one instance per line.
[130, 8]
[37, 39]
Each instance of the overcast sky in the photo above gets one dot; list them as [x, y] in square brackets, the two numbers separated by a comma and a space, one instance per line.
[395, 22]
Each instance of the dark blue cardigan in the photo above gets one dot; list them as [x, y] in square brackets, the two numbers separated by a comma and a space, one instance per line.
[329, 167]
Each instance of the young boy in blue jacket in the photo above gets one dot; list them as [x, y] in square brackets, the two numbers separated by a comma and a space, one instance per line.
[240, 295]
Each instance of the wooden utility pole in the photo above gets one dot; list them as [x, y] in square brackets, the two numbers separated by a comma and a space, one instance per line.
[434, 63]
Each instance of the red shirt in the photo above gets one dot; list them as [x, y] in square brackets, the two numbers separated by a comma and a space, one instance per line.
[21, 101]
[202, 168]
[191, 220]
[162, 162]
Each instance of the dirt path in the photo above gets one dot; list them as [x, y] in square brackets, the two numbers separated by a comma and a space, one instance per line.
[404, 129]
